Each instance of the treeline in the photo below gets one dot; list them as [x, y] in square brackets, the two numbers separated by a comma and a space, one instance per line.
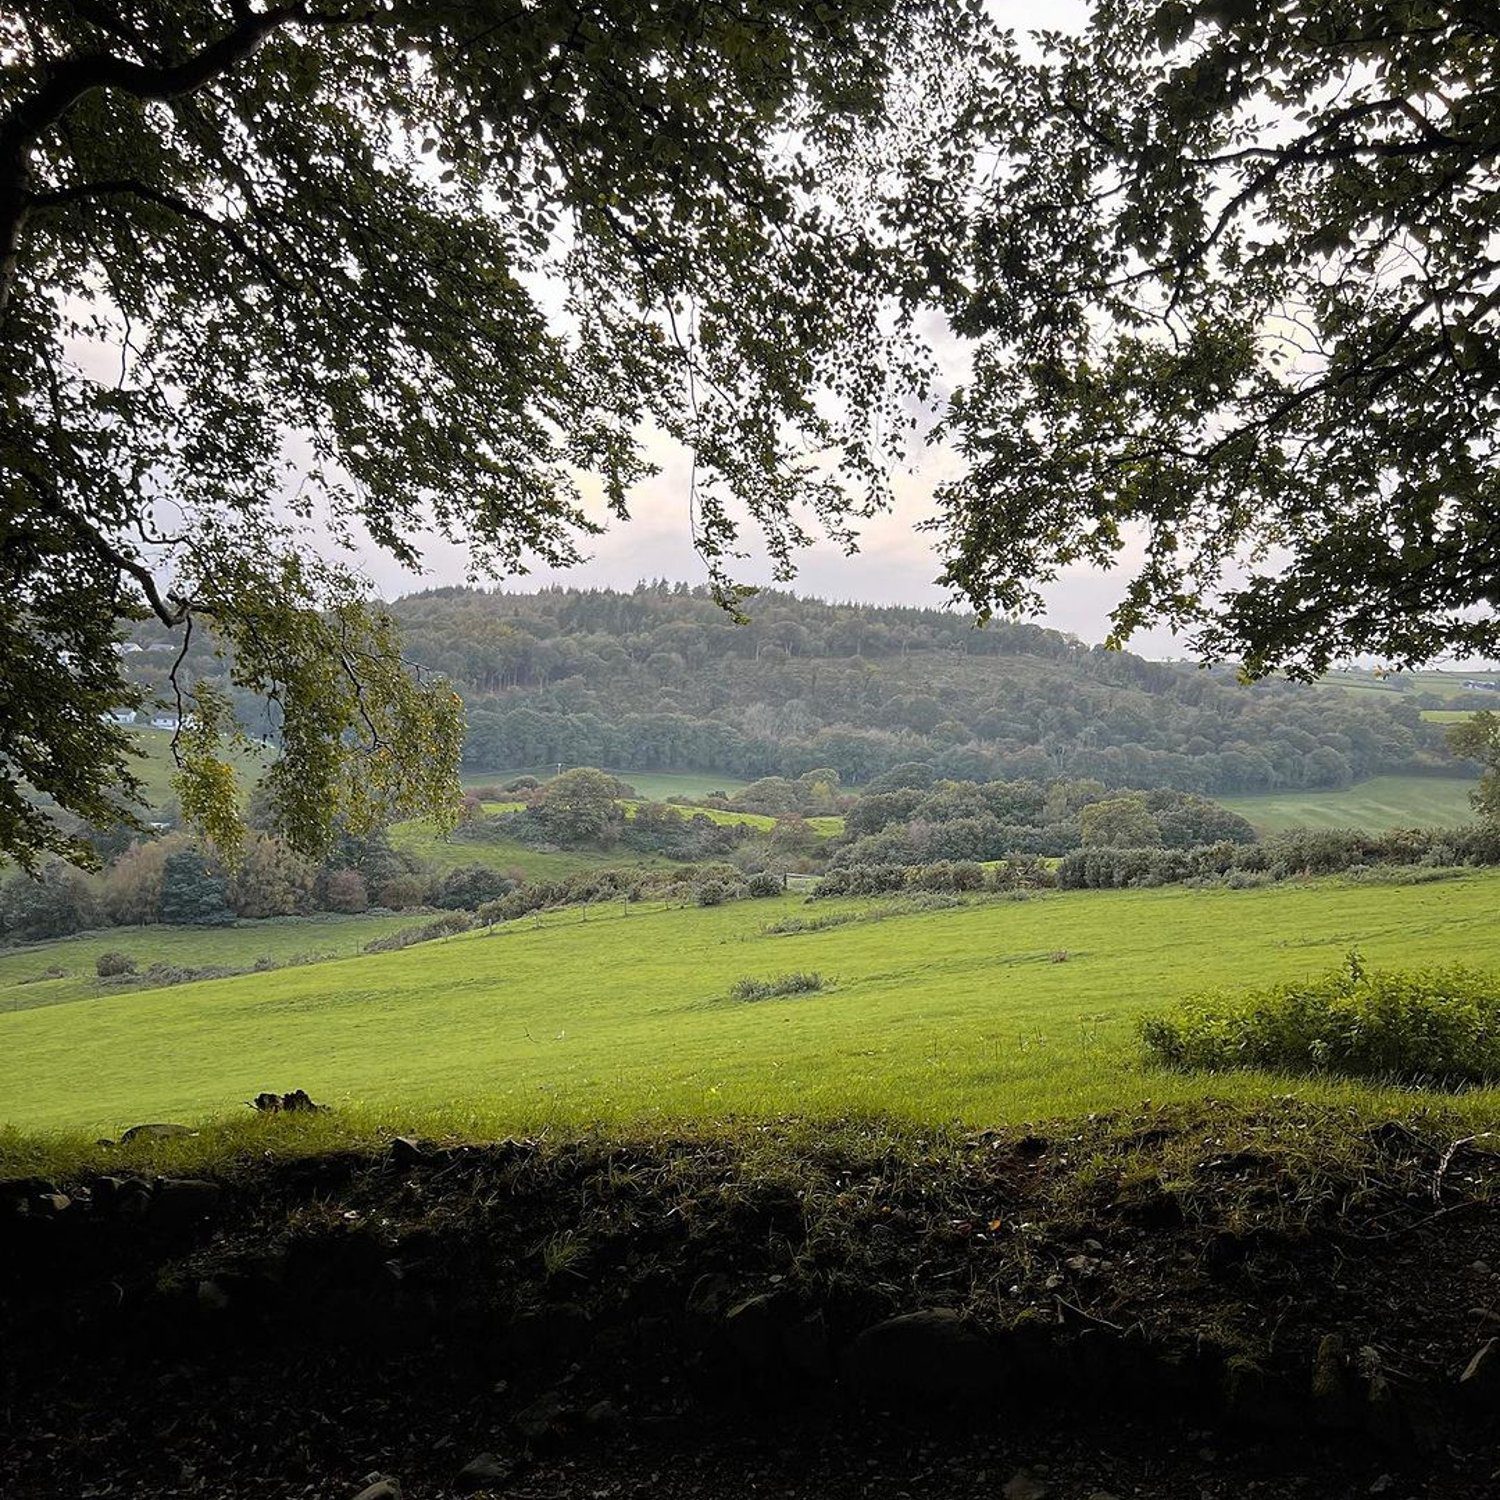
[175, 879]
[700, 885]
[1281, 856]
[660, 678]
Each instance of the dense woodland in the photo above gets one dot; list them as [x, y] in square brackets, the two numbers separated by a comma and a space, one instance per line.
[662, 678]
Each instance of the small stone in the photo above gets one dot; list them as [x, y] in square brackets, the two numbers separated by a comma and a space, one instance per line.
[1480, 1268]
[1481, 1376]
[1024, 1485]
[546, 1417]
[406, 1152]
[51, 1203]
[132, 1198]
[482, 1471]
[212, 1296]
[1332, 1393]
[381, 1488]
[752, 1329]
[603, 1414]
[931, 1355]
[156, 1132]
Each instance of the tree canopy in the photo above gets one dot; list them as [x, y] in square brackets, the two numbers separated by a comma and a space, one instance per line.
[412, 266]
[1234, 282]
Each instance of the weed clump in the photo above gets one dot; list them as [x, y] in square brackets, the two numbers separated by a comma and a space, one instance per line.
[1436, 1027]
[797, 983]
[113, 964]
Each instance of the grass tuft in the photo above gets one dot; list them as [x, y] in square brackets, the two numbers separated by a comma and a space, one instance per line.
[798, 983]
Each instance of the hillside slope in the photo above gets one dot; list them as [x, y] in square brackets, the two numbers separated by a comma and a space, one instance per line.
[662, 679]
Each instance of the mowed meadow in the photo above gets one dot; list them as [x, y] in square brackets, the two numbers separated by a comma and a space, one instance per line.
[999, 1010]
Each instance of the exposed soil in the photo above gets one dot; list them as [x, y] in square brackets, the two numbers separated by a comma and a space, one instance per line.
[1190, 1304]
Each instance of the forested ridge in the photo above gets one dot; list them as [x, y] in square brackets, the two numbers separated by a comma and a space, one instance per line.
[661, 677]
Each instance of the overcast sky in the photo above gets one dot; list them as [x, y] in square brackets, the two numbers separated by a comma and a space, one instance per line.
[896, 563]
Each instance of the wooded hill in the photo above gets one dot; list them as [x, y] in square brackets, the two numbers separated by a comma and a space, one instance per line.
[660, 677]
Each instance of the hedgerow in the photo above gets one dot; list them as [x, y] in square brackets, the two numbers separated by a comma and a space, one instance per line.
[686, 883]
[1020, 872]
[1282, 856]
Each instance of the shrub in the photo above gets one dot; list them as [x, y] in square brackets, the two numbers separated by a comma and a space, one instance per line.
[470, 886]
[345, 891]
[443, 926]
[712, 893]
[1436, 1027]
[764, 884]
[796, 983]
[55, 903]
[401, 892]
[112, 964]
[861, 880]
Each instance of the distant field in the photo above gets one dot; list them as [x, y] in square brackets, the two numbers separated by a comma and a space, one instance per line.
[1374, 805]
[1447, 715]
[428, 845]
[999, 1011]
[1449, 684]
[655, 785]
[280, 938]
[155, 766]
[1444, 684]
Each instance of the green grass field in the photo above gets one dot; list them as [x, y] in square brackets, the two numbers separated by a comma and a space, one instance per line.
[281, 939]
[606, 1016]
[1374, 805]
[1450, 684]
[155, 766]
[1448, 715]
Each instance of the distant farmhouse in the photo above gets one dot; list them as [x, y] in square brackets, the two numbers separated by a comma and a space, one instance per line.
[1482, 687]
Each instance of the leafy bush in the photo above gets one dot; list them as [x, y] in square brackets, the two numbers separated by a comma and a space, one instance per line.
[111, 965]
[470, 886]
[796, 983]
[764, 884]
[1436, 1027]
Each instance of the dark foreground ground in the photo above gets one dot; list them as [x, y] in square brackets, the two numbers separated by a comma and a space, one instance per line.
[1201, 1304]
